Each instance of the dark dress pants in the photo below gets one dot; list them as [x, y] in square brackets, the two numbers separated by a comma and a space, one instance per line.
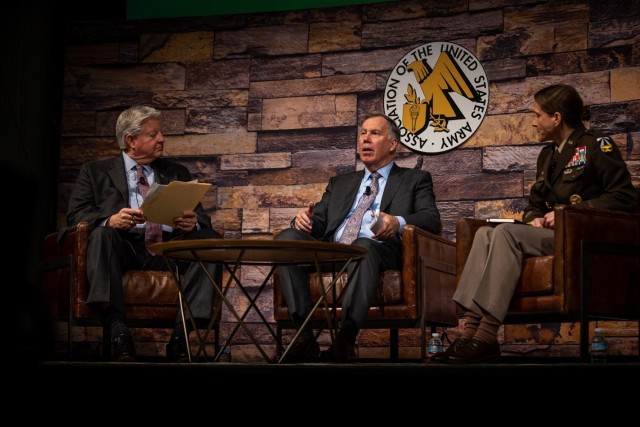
[110, 253]
[361, 291]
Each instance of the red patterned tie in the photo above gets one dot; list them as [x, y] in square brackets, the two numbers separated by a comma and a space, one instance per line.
[152, 231]
[352, 229]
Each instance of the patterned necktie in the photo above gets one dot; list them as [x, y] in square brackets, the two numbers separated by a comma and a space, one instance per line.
[152, 231]
[352, 229]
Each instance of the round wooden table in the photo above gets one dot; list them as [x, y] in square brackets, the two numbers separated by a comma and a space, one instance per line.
[232, 253]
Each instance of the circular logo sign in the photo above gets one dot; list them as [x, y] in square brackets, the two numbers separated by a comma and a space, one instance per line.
[438, 94]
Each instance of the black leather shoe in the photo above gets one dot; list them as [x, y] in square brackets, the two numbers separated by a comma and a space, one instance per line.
[122, 349]
[475, 352]
[303, 350]
[176, 351]
[455, 347]
[341, 351]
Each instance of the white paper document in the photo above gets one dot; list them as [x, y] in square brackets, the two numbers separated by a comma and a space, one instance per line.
[507, 220]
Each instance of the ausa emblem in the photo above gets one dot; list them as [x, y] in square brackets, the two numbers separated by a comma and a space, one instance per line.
[438, 94]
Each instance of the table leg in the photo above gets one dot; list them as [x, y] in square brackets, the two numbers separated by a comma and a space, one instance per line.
[182, 305]
[252, 304]
[323, 299]
[222, 294]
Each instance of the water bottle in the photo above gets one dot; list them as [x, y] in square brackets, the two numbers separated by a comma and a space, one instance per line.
[598, 346]
[435, 344]
[226, 354]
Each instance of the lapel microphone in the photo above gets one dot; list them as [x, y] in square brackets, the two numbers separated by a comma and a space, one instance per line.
[367, 191]
[142, 181]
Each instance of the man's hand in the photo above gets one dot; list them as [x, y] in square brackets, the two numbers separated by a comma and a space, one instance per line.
[126, 219]
[547, 221]
[187, 222]
[303, 219]
[389, 226]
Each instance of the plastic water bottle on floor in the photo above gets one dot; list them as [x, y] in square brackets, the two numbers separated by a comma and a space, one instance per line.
[226, 354]
[435, 344]
[598, 346]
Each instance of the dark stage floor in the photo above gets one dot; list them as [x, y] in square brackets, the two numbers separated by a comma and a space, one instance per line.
[503, 370]
[271, 390]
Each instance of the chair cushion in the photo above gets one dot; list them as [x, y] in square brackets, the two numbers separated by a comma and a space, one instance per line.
[536, 278]
[150, 295]
[389, 288]
[143, 287]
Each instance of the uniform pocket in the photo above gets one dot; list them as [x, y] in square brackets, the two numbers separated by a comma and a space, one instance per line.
[572, 174]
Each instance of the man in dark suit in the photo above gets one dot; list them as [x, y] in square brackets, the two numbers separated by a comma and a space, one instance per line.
[107, 194]
[394, 196]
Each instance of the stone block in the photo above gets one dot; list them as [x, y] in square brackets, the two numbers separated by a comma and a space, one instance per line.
[176, 47]
[334, 36]
[286, 68]
[286, 39]
[625, 83]
[240, 142]
[224, 74]
[308, 112]
[202, 98]
[255, 161]
[146, 77]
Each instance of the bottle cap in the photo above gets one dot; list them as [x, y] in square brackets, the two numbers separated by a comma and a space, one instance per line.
[435, 335]
[599, 330]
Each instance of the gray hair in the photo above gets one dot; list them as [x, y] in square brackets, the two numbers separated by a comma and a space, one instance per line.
[394, 131]
[130, 122]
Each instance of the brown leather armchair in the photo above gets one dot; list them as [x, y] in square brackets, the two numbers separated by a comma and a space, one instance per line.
[551, 287]
[151, 296]
[416, 297]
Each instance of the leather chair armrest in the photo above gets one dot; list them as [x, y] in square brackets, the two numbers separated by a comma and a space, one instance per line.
[65, 255]
[429, 266]
[69, 241]
[572, 226]
[465, 231]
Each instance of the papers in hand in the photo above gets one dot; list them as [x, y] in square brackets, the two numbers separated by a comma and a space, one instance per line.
[165, 202]
[507, 220]
[377, 222]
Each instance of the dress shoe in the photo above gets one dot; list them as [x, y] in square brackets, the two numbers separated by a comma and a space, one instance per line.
[122, 349]
[475, 352]
[341, 351]
[455, 347]
[177, 351]
[303, 350]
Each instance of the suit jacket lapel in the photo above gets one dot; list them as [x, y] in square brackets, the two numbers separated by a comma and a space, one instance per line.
[392, 186]
[563, 159]
[162, 174]
[118, 175]
[350, 194]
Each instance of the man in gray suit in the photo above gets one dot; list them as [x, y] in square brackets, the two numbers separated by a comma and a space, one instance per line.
[107, 193]
[400, 196]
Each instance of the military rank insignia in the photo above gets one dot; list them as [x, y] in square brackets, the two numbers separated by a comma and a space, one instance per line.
[605, 144]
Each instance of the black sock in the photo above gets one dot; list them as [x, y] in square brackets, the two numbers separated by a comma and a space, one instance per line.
[306, 334]
[348, 332]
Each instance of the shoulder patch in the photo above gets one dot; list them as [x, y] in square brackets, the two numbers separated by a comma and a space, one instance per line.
[605, 144]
